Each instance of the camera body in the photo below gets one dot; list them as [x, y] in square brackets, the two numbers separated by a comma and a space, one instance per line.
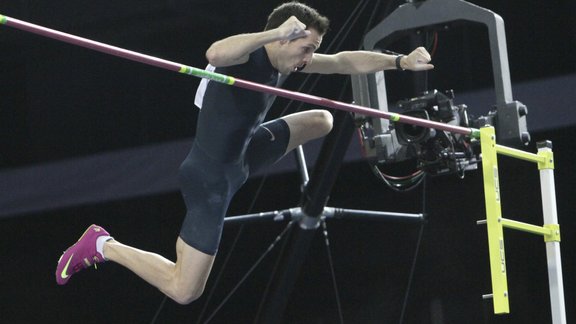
[437, 152]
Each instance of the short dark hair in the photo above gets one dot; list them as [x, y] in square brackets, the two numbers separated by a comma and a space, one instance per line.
[307, 15]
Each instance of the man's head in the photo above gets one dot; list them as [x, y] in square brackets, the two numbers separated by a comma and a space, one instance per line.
[289, 56]
[307, 15]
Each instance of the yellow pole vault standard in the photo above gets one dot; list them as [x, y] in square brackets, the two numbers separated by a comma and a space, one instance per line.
[550, 231]
[494, 221]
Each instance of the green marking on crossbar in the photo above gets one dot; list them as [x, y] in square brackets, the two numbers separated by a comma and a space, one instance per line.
[207, 74]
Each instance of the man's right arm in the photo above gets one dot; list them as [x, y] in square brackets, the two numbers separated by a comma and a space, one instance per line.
[236, 49]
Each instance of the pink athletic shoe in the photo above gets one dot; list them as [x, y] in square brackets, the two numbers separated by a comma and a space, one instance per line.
[81, 255]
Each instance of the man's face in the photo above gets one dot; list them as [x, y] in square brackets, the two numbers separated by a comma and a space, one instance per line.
[296, 53]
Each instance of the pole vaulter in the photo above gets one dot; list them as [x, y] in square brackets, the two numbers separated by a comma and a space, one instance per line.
[230, 80]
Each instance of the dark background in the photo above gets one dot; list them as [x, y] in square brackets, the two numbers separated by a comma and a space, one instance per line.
[62, 106]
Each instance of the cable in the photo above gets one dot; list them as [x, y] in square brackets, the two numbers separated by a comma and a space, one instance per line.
[270, 247]
[232, 248]
[159, 309]
[220, 273]
[434, 45]
[332, 272]
[411, 275]
[416, 252]
[399, 184]
[270, 280]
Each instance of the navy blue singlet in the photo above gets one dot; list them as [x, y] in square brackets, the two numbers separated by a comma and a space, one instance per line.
[230, 143]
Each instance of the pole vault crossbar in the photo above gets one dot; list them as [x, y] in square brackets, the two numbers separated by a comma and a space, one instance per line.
[496, 223]
[230, 80]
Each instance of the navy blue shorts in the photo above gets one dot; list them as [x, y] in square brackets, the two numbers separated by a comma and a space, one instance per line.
[208, 184]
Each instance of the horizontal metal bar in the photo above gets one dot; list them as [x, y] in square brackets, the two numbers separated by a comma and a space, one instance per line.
[276, 216]
[519, 154]
[342, 213]
[525, 227]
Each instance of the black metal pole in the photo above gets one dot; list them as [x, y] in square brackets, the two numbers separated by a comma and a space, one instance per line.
[314, 199]
[330, 159]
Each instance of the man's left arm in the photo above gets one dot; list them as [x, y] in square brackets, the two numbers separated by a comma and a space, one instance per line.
[362, 62]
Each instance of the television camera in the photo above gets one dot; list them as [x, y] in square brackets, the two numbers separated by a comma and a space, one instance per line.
[436, 152]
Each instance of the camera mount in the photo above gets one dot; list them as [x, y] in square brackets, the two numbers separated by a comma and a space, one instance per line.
[388, 144]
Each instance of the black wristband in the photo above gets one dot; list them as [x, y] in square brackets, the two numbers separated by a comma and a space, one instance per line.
[398, 66]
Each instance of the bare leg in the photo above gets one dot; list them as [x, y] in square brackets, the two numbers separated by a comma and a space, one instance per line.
[307, 125]
[182, 281]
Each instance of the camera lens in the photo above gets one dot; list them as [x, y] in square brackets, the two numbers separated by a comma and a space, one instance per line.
[411, 134]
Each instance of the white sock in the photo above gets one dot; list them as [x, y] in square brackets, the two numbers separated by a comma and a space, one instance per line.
[100, 244]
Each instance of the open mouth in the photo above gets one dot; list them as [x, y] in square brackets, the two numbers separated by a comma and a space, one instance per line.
[299, 67]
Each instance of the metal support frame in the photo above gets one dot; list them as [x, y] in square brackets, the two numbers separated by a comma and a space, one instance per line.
[496, 223]
[428, 13]
[510, 115]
